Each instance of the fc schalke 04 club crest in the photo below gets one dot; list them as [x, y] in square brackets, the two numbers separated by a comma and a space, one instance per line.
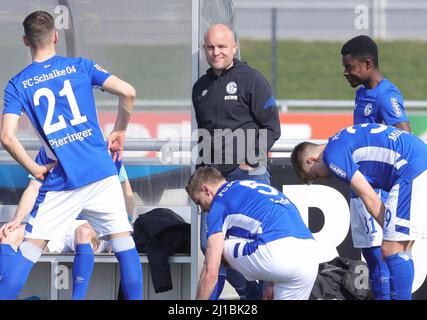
[368, 109]
[231, 87]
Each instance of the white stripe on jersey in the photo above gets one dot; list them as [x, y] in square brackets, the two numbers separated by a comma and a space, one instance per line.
[376, 154]
[241, 221]
[400, 163]
[402, 222]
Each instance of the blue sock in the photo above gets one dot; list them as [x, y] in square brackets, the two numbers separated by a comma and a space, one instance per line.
[218, 288]
[6, 255]
[82, 270]
[130, 267]
[18, 270]
[379, 275]
[401, 275]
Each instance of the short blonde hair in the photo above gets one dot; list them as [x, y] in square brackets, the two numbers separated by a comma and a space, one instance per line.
[300, 152]
[203, 175]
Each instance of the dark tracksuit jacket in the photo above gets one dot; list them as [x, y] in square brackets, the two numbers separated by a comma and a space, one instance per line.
[240, 98]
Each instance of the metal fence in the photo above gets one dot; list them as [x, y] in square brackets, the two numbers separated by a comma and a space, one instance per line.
[331, 19]
[413, 106]
[328, 20]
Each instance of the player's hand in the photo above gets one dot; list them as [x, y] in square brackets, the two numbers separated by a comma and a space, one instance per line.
[245, 166]
[40, 172]
[268, 293]
[9, 227]
[116, 142]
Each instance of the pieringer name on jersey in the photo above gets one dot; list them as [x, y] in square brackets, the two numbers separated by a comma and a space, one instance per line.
[82, 135]
[45, 77]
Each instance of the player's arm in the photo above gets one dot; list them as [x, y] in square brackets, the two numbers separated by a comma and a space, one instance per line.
[14, 147]
[370, 198]
[129, 199]
[127, 190]
[26, 204]
[126, 94]
[209, 274]
[392, 110]
[28, 199]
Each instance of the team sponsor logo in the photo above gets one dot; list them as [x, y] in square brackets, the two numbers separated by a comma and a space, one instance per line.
[231, 87]
[396, 107]
[338, 171]
[368, 109]
[100, 68]
[204, 92]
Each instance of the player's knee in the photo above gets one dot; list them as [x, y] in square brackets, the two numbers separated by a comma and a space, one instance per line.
[84, 234]
[14, 237]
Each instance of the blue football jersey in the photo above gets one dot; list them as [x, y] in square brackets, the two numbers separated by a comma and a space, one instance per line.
[257, 211]
[55, 175]
[381, 153]
[57, 96]
[382, 104]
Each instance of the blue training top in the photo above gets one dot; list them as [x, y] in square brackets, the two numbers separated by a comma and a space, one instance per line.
[257, 211]
[382, 104]
[58, 98]
[381, 153]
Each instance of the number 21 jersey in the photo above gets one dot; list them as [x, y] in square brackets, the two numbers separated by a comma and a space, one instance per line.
[57, 96]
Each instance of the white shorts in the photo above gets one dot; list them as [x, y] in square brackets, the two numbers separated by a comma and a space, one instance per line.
[365, 230]
[291, 263]
[67, 243]
[405, 215]
[101, 203]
